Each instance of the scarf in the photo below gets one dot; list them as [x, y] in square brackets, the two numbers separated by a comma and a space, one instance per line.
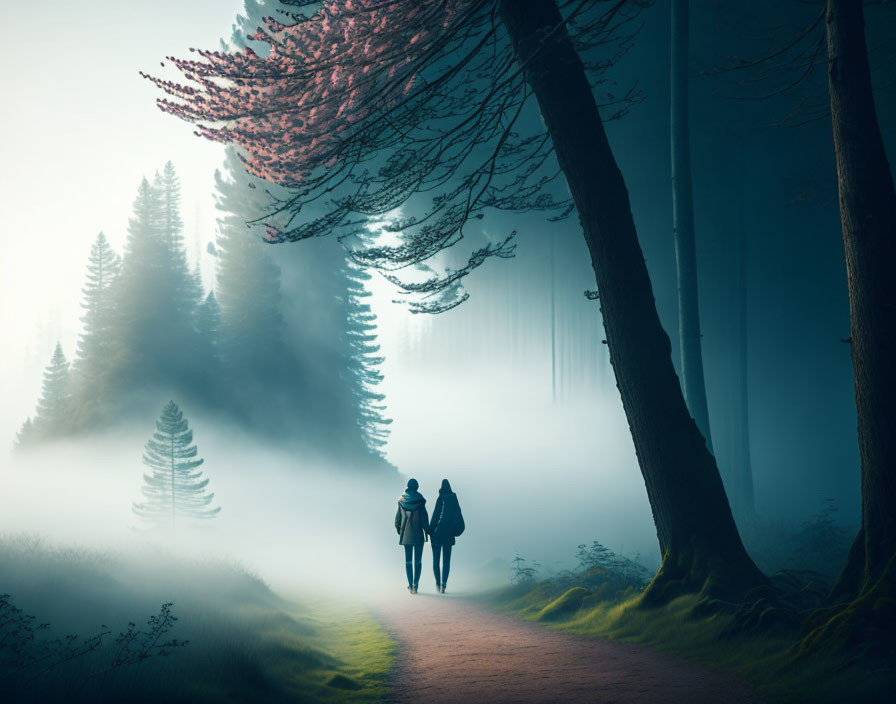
[411, 500]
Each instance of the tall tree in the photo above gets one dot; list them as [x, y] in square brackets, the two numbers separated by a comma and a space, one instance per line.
[208, 343]
[363, 361]
[53, 415]
[174, 488]
[691, 353]
[317, 366]
[208, 323]
[247, 280]
[185, 289]
[699, 542]
[96, 352]
[308, 339]
[742, 491]
[139, 315]
[553, 304]
[172, 224]
[156, 297]
[868, 217]
[435, 100]
[26, 435]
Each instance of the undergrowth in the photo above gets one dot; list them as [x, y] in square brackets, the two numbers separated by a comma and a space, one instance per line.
[600, 600]
[232, 638]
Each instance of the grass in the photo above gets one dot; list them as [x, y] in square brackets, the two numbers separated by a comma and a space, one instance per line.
[771, 662]
[245, 642]
[360, 648]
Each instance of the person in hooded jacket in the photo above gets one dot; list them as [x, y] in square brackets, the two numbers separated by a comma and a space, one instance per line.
[412, 524]
[447, 523]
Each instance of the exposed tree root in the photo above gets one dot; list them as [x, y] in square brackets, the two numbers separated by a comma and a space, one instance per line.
[864, 627]
[720, 584]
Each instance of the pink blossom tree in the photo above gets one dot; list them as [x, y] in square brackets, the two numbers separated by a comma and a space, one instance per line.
[366, 107]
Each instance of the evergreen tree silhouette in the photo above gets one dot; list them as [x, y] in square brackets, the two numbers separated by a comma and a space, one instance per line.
[53, 416]
[363, 361]
[156, 296]
[208, 323]
[247, 280]
[26, 435]
[96, 353]
[185, 289]
[174, 487]
[208, 375]
[139, 314]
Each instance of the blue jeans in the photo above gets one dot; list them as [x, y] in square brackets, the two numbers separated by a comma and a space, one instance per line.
[445, 550]
[415, 551]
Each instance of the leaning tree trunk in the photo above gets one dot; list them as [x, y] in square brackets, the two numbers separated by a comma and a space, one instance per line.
[868, 217]
[700, 545]
[683, 225]
[744, 499]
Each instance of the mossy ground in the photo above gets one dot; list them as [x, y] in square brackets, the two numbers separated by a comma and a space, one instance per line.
[364, 651]
[345, 656]
[246, 642]
[772, 663]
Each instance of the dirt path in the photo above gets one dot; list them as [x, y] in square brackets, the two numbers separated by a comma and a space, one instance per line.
[451, 650]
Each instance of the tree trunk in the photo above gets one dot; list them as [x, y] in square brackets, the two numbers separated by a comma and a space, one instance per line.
[868, 217]
[743, 499]
[553, 324]
[683, 225]
[700, 545]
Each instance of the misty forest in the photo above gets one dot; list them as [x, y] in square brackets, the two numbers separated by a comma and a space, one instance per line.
[475, 351]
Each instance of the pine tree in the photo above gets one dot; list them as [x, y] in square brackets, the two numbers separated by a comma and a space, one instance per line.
[247, 280]
[53, 415]
[208, 322]
[156, 295]
[363, 361]
[95, 353]
[138, 313]
[26, 436]
[330, 374]
[174, 487]
[172, 224]
[185, 287]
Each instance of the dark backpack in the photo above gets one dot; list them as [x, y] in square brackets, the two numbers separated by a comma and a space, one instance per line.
[458, 527]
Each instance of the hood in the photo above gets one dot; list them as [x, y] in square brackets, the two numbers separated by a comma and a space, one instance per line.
[411, 500]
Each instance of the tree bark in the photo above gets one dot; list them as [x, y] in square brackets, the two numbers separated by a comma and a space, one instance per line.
[701, 548]
[553, 324]
[691, 354]
[743, 499]
[868, 218]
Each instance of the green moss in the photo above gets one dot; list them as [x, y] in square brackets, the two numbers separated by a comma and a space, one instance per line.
[342, 682]
[337, 654]
[365, 652]
[694, 627]
[568, 603]
[866, 626]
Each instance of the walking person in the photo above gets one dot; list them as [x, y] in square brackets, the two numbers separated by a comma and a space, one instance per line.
[412, 524]
[447, 524]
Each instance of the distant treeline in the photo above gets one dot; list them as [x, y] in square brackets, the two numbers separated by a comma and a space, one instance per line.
[150, 331]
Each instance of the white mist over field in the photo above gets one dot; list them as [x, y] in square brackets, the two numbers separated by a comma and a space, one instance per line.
[531, 480]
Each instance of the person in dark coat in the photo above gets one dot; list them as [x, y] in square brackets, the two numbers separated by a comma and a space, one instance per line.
[447, 523]
[412, 524]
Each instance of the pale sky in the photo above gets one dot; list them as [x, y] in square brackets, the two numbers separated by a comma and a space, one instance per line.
[80, 129]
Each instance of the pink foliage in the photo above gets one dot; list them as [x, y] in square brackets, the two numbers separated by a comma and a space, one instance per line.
[293, 111]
